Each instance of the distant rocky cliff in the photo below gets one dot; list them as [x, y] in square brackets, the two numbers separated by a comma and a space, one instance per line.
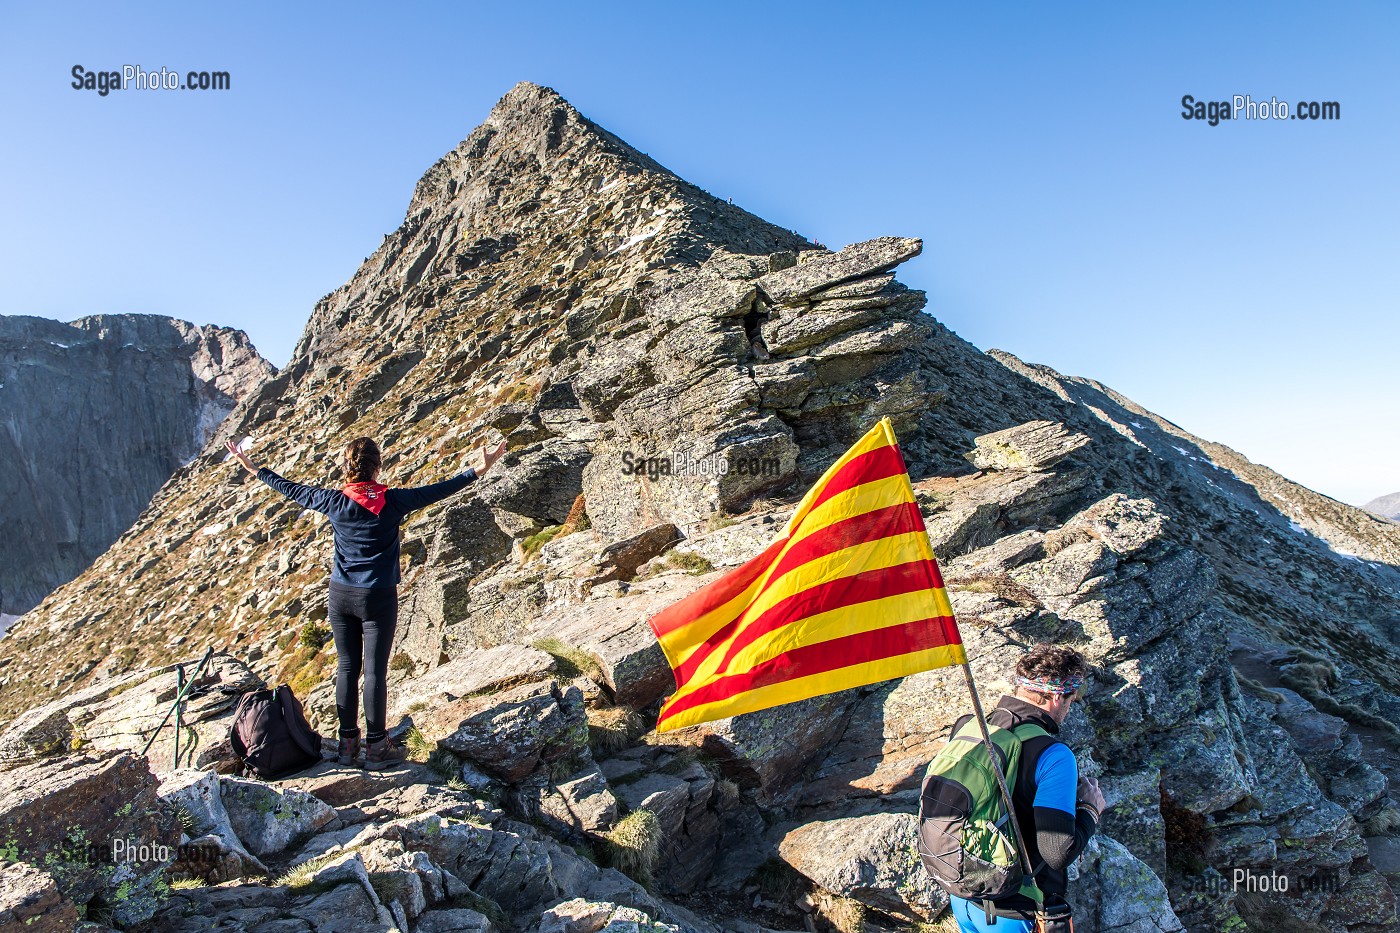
[557, 286]
[94, 417]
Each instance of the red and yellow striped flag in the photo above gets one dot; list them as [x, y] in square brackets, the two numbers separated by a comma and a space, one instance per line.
[849, 594]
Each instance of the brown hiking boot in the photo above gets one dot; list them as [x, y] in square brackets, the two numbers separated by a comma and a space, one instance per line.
[385, 753]
[348, 750]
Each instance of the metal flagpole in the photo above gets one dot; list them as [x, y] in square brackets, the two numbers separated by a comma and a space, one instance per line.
[179, 691]
[1021, 855]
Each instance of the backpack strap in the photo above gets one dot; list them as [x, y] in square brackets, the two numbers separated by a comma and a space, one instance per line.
[1029, 730]
[971, 732]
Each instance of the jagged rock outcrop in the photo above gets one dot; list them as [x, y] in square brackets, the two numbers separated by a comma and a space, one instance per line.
[671, 373]
[97, 414]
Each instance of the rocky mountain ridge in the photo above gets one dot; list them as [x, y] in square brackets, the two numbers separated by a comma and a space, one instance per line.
[552, 284]
[1385, 506]
[97, 414]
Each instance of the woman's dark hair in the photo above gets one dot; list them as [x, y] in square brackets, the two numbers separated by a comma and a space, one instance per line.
[361, 460]
[1052, 662]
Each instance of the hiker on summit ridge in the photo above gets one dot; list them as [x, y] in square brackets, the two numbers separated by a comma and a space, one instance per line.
[1056, 809]
[363, 607]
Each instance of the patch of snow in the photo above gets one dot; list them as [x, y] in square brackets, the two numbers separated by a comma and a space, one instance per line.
[211, 415]
[306, 512]
[1298, 528]
[1181, 450]
[7, 620]
[1136, 425]
[612, 184]
[61, 346]
[633, 241]
[1341, 553]
[211, 530]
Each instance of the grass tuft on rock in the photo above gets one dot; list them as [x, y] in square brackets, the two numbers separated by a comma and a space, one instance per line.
[530, 547]
[188, 884]
[445, 765]
[1314, 677]
[718, 520]
[577, 519]
[482, 905]
[689, 561]
[844, 914]
[420, 747]
[314, 636]
[186, 820]
[299, 877]
[943, 923]
[613, 729]
[633, 846]
[573, 661]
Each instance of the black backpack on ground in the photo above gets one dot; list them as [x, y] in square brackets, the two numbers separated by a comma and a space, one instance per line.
[271, 736]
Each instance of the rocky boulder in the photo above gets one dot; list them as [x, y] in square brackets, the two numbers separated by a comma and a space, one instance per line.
[510, 733]
[30, 902]
[1036, 445]
[215, 853]
[824, 271]
[1116, 892]
[872, 859]
[473, 673]
[96, 824]
[271, 820]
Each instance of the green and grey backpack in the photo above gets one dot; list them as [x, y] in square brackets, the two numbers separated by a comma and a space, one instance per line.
[966, 840]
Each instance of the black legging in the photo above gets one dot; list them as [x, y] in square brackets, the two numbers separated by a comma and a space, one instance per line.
[363, 622]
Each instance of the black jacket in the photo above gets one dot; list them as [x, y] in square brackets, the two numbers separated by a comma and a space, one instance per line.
[366, 545]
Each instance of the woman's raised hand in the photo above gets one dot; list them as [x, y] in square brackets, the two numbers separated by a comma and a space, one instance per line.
[490, 455]
[240, 456]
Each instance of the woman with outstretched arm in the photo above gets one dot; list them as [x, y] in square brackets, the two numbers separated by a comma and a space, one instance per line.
[364, 596]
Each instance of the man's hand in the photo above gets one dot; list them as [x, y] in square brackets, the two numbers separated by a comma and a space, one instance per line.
[489, 456]
[1090, 794]
[240, 456]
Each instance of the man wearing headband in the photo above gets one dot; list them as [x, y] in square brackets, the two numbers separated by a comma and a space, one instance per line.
[1058, 811]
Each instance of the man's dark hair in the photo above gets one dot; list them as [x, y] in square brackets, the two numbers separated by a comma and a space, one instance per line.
[1052, 662]
[361, 460]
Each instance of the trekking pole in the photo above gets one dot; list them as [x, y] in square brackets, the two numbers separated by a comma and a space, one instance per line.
[179, 691]
[996, 769]
[180, 698]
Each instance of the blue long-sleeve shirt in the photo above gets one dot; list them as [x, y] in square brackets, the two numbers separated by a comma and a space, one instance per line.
[366, 545]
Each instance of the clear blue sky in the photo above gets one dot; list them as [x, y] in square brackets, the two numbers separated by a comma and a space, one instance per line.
[1241, 280]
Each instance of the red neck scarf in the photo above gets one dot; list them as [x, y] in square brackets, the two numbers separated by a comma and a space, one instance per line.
[369, 495]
